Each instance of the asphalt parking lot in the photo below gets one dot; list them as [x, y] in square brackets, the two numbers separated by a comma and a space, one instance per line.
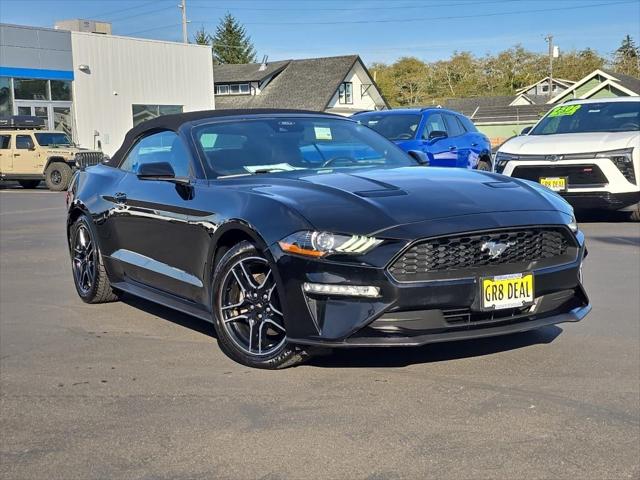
[132, 390]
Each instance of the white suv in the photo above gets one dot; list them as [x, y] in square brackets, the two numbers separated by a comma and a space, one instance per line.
[586, 150]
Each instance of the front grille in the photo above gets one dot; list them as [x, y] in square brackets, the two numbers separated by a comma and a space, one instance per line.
[578, 175]
[468, 255]
[88, 159]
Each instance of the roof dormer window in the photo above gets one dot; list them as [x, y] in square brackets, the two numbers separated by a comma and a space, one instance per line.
[233, 89]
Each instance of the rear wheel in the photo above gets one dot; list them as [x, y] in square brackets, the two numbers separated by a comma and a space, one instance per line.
[247, 311]
[29, 183]
[89, 275]
[57, 176]
[635, 215]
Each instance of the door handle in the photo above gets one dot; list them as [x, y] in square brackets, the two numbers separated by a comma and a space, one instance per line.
[16, 154]
[120, 197]
[474, 144]
[452, 147]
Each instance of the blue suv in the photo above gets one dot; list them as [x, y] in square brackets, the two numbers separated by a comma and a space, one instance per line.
[448, 138]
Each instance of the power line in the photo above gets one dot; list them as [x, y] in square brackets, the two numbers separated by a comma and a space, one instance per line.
[347, 9]
[430, 19]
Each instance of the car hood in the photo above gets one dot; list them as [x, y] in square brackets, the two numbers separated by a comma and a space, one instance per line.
[367, 201]
[567, 143]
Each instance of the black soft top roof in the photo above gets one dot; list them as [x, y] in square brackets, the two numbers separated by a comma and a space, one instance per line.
[175, 121]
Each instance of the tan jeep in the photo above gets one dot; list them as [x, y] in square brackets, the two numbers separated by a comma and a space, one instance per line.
[30, 155]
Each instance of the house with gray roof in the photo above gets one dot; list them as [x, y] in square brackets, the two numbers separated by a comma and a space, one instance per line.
[501, 117]
[339, 85]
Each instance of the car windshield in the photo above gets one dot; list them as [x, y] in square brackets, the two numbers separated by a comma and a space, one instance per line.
[50, 139]
[396, 126]
[590, 117]
[293, 143]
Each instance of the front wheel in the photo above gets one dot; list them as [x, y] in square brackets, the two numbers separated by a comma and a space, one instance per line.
[247, 311]
[635, 215]
[57, 176]
[484, 166]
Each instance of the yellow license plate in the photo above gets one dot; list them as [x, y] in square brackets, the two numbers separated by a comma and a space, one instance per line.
[557, 184]
[507, 291]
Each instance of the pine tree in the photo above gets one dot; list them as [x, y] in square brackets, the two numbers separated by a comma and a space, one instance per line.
[231, 44]
[626, 59]
[202, 37]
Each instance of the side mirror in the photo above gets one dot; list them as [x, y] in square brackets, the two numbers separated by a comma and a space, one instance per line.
[156, 170]
[436, 134]
[419, 157]
[525, 130]
[32, 147]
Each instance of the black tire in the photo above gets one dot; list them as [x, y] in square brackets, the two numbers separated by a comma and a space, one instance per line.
[57, 176]
[635, 215]
[484, 166]
[232, 334]
[29, 184]
[92, 286]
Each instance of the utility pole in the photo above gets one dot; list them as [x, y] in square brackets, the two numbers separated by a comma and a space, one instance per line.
[185, 34]
[549, 39]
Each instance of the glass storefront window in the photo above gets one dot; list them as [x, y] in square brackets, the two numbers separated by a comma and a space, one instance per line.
[30, 89]
[62, 120]
[60, 90]
[6, 104]
[142, 113]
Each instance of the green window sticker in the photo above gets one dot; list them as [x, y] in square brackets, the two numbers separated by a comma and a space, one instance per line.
[564, 110]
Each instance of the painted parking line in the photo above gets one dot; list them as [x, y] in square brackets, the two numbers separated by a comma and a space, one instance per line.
[22, 212]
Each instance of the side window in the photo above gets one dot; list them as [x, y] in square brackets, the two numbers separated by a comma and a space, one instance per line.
[159, 147]
[468, 124]
[24, 142]
[454, 129]
[435, 122]
[5, 142]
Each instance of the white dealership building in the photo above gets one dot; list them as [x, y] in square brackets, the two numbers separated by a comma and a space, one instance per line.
[97, 86]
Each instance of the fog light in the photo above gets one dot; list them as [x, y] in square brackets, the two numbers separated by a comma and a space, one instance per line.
[347, 290]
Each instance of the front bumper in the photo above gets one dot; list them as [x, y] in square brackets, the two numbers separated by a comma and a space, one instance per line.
[413, 314]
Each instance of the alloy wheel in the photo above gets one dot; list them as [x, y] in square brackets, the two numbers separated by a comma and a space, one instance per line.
[84, 259]
[56, 177]
[249, 307]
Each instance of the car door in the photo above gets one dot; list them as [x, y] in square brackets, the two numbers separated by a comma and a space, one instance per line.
[160, 224]
[436, 142]
[459, 139]
[6, 154]
[26, 159]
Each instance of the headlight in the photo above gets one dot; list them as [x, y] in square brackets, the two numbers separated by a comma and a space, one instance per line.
[623, 155]
[501, 160]
[573, 224]
[320, 244]
[623, 160]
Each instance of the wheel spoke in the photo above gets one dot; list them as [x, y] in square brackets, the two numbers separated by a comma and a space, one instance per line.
[266, 278]
[250, 335]
[277, 325]
[260, 337]
[275, 310]
[235, 305]
[235, 319]
[248, 276]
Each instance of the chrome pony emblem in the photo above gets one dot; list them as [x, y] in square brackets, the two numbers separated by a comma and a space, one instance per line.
[495, 249]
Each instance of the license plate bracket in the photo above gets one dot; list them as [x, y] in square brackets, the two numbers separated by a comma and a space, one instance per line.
[507, 291]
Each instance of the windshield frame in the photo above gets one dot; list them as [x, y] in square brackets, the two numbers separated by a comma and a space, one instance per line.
[541, 123]
[37, 135]
[211, 174]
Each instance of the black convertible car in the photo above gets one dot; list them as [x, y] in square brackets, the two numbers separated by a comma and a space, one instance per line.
[291, 229]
